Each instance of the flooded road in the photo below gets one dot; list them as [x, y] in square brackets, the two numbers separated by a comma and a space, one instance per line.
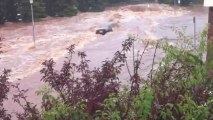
[54, 35]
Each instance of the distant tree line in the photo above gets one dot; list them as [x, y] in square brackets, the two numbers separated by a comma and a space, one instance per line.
[19, 10]
[181, 2]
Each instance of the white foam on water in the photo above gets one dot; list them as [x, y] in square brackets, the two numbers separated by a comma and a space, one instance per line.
[54, 35]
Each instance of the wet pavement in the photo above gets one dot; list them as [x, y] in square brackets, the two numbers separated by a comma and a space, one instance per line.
[55, 35]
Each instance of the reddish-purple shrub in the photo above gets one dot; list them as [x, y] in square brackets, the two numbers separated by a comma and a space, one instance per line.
[4, 89]
[30, 110]
[78, 83]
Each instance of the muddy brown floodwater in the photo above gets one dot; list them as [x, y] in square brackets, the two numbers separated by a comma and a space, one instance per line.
[54, 35]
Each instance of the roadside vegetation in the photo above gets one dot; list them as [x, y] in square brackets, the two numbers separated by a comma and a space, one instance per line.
[177, 89]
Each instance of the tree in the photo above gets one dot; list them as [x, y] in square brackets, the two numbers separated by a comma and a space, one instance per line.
[184, 2]
[11, 10]
[49, 6]
[23, 8]
[166, 1]
[90, 5]
[8, 11]
[61, 7]
[65, 8]
[2, 11]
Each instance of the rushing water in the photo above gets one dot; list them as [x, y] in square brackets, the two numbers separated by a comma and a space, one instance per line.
[54, 35]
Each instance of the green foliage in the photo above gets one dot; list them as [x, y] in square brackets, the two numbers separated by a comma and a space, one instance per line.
[178, 89]
[70, 11]
[210, 106]
[143, 103]
[61, 7]
[187, 107]
[124, 107]
[90, 5]
[180, 84]
[62, 111]
[55, 109]
[110, 111]
[192, 110]
[8, 11]
[117, 107]
[165, 1]
[39, 9]
[58, 111]
[199, 1]
[25, 10]
[2, 11]
[184, 2]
